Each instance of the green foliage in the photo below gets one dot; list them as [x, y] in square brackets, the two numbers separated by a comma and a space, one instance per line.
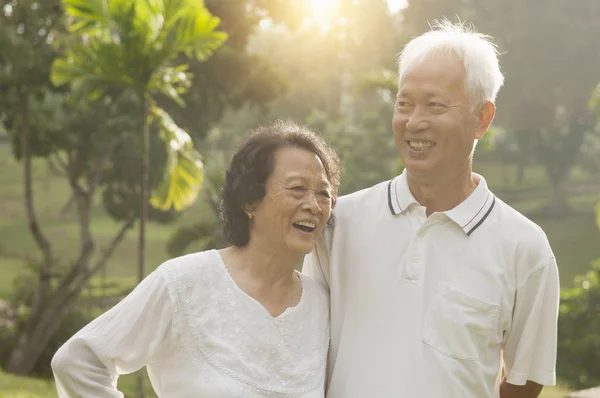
[21, 297]
[207, 232]
[27, 31]
[235, 75]
[365, 161]
[579, 332]
[183, 171]
[135, 45]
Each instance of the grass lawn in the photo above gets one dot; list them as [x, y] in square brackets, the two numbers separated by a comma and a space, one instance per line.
[554, 392]
[23, 387]
[26, 387]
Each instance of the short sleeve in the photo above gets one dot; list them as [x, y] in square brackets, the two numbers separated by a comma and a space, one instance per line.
[529, 350]
[120, 341]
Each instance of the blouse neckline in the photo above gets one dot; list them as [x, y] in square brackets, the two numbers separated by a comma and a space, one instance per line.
[245, 296]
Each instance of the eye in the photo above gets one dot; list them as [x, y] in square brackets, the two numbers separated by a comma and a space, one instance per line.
[325, 194]
[434, 104]
[298, 189]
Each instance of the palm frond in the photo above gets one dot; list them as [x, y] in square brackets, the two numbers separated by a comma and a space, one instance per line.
[183, 174]
[86, 12]
[172, 82]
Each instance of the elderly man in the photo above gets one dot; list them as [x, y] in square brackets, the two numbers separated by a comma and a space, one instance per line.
[438, 288]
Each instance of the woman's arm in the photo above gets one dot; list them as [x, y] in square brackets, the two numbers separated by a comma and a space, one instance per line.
[120, 341]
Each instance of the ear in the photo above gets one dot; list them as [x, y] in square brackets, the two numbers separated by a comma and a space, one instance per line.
[249, 208]
[485, 115]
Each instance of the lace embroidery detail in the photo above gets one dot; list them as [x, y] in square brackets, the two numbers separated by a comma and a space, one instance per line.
[214, 319]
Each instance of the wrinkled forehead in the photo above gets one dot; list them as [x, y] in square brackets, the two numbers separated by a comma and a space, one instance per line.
[435, 74]
[298, 163]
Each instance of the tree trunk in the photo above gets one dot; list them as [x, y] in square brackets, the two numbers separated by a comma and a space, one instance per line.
[46, 316]
[19, 361]
[143, 196]
[33, 224]
[143, 214]
[42, 324]
[558, 206]
[50, 306]
[521, 167]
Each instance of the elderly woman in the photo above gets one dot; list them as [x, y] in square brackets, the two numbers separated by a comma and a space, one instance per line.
[235, 322]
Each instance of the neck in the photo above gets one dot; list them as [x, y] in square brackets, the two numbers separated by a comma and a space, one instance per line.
[442, 192]
[261, 264]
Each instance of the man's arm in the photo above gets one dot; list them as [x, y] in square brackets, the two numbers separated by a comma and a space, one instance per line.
[529, 390]
[529, 349]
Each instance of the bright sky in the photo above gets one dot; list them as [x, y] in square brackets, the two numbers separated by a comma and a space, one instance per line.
[321, 8]
[395, 5]
[320, 11]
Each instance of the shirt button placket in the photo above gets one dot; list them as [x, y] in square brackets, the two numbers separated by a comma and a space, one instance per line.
[412, 267]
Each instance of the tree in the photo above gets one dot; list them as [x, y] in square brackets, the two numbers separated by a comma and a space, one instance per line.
[579, 333]
[80, 140]
[234, 76]
[540, 99]
[543, 105]
[25, 29]
[135, 45]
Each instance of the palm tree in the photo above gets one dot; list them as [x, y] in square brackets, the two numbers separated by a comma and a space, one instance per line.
[134, 45]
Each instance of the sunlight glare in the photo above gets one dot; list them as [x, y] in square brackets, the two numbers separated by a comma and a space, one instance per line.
[321, 9]
[320, 12]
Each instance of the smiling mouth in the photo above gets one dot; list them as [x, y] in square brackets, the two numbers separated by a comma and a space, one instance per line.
[420, 145]
[305, 226]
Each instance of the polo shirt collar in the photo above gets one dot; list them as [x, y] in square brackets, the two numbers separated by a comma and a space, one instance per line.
[399, 195]
[469, 214]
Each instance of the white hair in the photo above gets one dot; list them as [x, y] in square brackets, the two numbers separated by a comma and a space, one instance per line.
[476, 51]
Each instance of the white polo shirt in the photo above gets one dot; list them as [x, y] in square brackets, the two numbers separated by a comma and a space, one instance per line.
[429, 306]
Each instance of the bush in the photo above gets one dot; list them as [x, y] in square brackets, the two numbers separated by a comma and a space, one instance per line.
[579, 332]
[19, 300]
[7, 340]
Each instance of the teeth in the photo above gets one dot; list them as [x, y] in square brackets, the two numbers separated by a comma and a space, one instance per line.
[420, 145]
[306, 224]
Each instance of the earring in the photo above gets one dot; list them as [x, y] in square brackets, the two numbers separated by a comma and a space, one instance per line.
[249, 215]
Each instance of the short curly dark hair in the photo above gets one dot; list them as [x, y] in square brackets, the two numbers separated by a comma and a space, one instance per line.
[252, 165]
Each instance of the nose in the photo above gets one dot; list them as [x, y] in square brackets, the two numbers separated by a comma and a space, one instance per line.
[311, 203]
[417, 121]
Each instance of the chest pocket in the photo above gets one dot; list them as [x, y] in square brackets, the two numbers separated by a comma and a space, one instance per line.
[457, 323]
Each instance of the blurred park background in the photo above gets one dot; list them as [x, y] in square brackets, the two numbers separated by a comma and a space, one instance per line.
[93, 90]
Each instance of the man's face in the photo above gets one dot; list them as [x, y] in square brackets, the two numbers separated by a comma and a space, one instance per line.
[434, 128]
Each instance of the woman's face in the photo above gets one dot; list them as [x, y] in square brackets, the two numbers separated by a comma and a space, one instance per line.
[296, 206]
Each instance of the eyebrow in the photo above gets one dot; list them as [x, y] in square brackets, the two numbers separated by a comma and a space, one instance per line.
[427, 95]
[323, 183]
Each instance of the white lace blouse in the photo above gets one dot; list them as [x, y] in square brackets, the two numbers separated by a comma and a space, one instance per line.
[200, 336]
